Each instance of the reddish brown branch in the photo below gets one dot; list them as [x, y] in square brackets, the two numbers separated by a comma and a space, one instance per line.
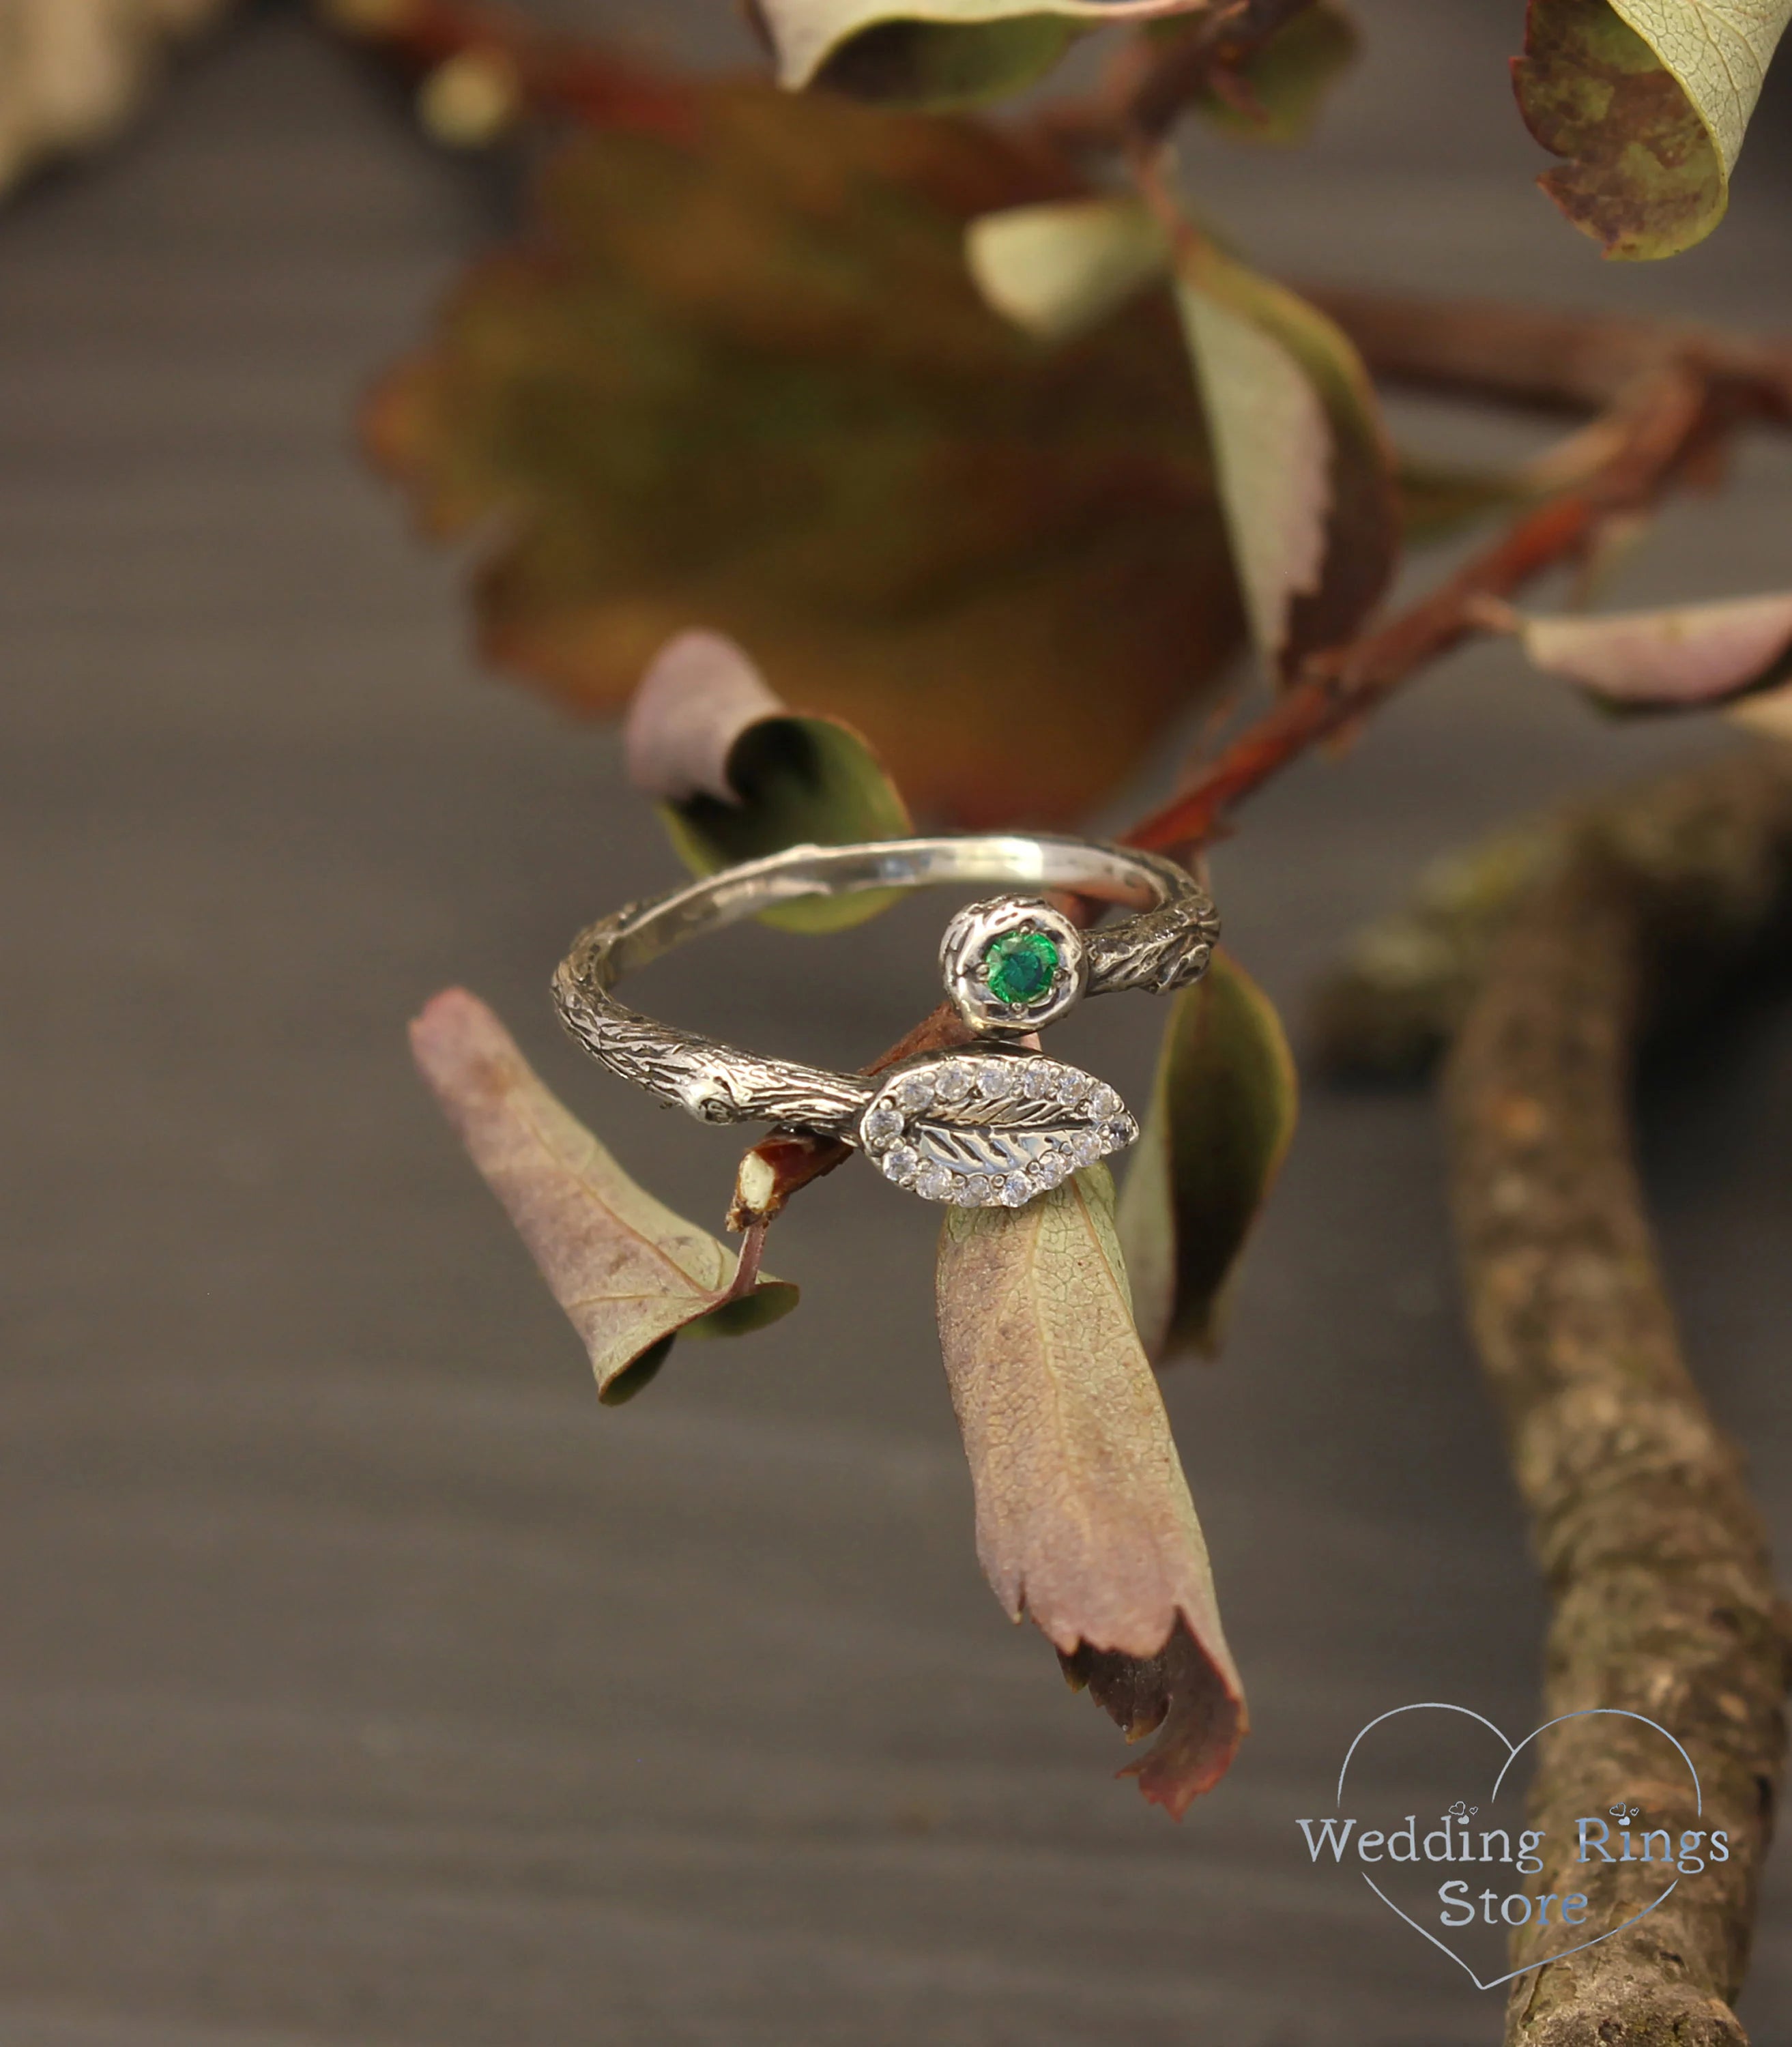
[1668, 426]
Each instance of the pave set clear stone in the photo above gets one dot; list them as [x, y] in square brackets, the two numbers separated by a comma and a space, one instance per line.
[1096, 1124]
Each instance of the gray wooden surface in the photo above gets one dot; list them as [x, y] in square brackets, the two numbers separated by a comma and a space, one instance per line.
[360, 1680]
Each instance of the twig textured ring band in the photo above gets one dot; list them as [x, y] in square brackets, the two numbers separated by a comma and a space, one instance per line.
[991, 1125]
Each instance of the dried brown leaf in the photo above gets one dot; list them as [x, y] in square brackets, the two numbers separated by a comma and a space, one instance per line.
[630, 1274]
[1084, 1521]
[744, 378]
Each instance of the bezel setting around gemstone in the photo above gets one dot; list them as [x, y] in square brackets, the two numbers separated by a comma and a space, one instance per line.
[1012, 965]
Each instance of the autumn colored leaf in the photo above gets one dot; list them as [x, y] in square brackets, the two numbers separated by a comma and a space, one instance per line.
[1686, 658]
[631, 1275]
[1222, 1119]
[744, 380]
[72, 71]
[936, 52]
[1647, 101]
[739, 777]
[1305, 467]
[1084, 1522]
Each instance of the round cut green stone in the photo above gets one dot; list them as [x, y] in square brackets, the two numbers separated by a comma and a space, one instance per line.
[1023, 967]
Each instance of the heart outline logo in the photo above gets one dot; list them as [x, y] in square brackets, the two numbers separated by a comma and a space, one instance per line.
[1513, 1749]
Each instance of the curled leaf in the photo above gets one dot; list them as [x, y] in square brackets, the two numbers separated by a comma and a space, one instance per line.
[1059, 268]
[701, 693]
[742, 376]
[935, 53]
[741, 777]
[631, 1275]
[1222, 1119]
[1305, 468]
[1647, 101]
[1084, 1522]
[1682, 660]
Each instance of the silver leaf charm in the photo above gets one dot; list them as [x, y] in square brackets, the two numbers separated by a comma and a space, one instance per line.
[990, 1129]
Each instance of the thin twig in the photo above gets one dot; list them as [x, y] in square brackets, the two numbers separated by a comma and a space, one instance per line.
[1668, 424]
[746, 1267]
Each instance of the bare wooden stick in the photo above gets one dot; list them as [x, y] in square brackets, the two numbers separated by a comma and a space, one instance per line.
[1664, 1603]
[1555, 358]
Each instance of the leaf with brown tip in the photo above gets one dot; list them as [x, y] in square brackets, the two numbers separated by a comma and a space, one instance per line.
[745, 380]
[739, 777]
[630, 1274]
[1084, 1521]
[1221, 1119]
[1647, 101]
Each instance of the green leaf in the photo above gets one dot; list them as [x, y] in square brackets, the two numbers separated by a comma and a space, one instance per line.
[1059, 268]
[1305, 468]
[936, 53]
[739, 776]
[1084, 1521]
[740, 376]
[631, 1275]
[1282, 85]
[1648, 101]
[1222, 1119]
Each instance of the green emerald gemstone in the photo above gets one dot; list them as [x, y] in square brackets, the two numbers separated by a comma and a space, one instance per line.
[1023, 967]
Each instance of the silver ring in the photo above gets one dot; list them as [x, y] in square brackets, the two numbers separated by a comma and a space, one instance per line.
[991, 1124]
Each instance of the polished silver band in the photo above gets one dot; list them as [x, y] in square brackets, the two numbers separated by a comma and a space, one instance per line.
[990, 1124]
